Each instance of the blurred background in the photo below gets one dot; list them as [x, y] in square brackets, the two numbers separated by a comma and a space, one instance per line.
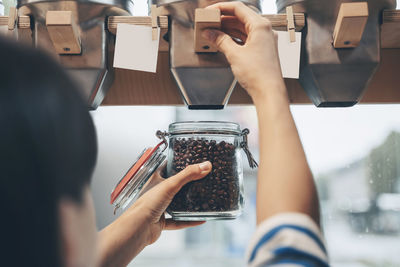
[354, 154]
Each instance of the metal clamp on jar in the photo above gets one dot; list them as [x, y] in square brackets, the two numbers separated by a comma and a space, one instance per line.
[219, 195]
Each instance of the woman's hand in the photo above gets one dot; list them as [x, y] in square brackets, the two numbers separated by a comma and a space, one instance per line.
[143, 222]
[255, 63]
[153, 203]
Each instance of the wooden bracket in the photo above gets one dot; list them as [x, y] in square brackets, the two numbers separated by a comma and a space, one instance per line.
[279, 23]
[390, 29]
[290, 24]
[63, 32]
[205, 18]
[350, 24]
[12, 18]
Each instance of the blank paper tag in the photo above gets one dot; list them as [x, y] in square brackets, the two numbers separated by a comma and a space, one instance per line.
[289, 54]
[135, 49]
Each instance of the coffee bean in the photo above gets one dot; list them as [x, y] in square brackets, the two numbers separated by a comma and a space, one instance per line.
[218, 191]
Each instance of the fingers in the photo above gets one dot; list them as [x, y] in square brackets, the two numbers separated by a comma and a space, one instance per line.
[276, 41]
[232, 23]
[234, 28]
[176, 225]
[190, 173]
[221, 40]
[240, 22]
[276, 37]
[237, 36]
[245, 14]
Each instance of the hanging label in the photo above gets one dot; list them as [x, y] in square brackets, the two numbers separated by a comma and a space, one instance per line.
[289, 54]
[135, 48]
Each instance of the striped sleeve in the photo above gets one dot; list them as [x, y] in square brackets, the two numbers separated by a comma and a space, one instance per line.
[289, 239]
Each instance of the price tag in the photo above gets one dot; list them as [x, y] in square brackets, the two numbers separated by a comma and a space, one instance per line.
[135, 48]
[289, 54]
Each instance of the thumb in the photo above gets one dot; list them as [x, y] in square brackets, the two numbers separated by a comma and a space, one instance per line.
[221, 40]
[159, 197]
[190, 173]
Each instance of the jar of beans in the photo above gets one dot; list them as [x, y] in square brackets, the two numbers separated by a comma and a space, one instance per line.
[220, 194]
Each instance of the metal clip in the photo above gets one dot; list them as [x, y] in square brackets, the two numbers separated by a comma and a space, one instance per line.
[244, 145]
[12, 18]
[116, 208]
[154, 22]
[291, 28]
[161, 135]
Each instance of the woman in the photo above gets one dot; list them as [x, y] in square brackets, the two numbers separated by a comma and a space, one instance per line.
[47, 156]
[48, 151]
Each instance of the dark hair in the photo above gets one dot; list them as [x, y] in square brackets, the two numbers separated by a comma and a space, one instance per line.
[47, 152]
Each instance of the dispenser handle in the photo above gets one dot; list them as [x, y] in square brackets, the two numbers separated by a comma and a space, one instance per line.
[205, 18]
[350, 24]
[63, 32]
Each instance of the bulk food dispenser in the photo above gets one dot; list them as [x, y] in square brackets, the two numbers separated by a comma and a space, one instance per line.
[334, 73]
[342, 43]
[74, 33]
[205, 80]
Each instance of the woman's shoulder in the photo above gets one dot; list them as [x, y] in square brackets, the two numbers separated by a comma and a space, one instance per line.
[287, 238]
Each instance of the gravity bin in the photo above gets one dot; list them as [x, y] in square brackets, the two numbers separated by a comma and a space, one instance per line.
[91, 66]
[336, 77]
[331, 75]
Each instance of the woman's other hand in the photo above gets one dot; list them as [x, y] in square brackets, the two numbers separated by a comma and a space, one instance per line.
[143, 222]
[155, 201]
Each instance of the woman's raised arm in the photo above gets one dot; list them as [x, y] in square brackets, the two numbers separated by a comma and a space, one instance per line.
[285, 182]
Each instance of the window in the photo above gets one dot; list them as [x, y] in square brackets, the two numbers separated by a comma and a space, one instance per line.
[354, 154]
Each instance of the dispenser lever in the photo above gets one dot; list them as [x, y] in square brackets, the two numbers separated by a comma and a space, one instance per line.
[205, 18]
[63, 32]
[350, 24]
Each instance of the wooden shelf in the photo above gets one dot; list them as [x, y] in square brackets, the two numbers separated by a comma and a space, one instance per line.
[278, 21]
[24, 22]
[390, 29]
[141, 88]
[390, 16]
[113, 21]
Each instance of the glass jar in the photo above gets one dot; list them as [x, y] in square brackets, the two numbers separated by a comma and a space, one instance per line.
[219, 195]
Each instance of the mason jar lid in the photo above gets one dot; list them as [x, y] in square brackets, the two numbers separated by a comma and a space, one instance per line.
[129, 187]
[212, 127]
